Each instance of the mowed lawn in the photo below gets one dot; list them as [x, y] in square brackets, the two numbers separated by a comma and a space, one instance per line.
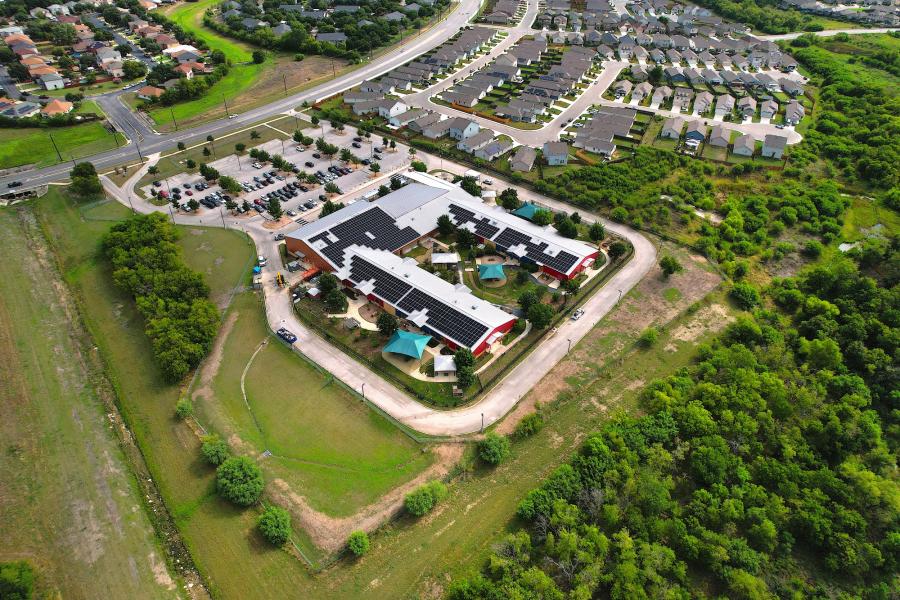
[328, 445]
[189, 16]
[69, 503]
[33, 145]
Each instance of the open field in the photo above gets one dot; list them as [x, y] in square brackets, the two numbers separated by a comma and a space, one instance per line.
[189, 16]
[327, 445]
[33, 145]
[69, 504]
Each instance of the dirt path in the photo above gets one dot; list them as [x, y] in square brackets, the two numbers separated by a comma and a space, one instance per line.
[330, 533]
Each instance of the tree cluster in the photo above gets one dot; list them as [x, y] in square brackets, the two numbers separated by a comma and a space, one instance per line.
[180, 320]
[766, 469]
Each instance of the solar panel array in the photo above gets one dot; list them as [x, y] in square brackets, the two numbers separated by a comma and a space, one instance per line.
[388, 287]
[483, 227]
[562, 262]
[444, 319]
[373, 228]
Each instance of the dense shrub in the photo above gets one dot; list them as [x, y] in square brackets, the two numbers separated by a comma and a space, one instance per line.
[239, 480]
[275, 525]
[358, 543]
[493, 449]
[420, 501]
[214, 449]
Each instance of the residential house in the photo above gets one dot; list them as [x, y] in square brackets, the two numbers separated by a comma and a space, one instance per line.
[747, 107]
[724, 105]
[773, 146]
[523, 159]
[419, 125]
[438, 129]
[674, 75]
[52, 81]
[461, 128]
[768, 109]
[641, 91]
[57, 107]
[406, 117]
[149, 92]
[719, 137]
[682, 99]
[703, 102]
[744, 145]
[622, 88]
[660, 95]
[556, 153]
[793, 113]
[671, 128]
[21, 110]
[695, 134]
[335, 37]
[472, 143]
[493, 150]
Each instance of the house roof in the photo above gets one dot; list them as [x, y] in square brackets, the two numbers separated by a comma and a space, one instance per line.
[444, 363]
[57, 107]
[527, 210]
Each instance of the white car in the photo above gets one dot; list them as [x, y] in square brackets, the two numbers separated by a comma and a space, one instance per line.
[577, 314]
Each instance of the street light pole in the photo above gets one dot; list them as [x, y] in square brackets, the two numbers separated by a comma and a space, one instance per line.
[364, 390]
[482, 422]
[620, 296]
[570, 345]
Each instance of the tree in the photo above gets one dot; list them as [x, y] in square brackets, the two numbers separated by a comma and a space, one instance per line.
[275, 208]
[184, 408]
[84, 180]
[387, 323]
[335, 302]
[239, 148]
[16, 580]
[259, 57]
[214, 449]
[509, 199]
[393, 144]
[493, 449]
[275, 525]
[669, 265]
[193, 204]
[744, 295]
[418, 166]
[329, 207]
[597, 232]
[239, 480]
[374, 167]
[464, 238]
[346, 155]
[332, 188]
[465, 377]
[396, 184]
[133, 69]
[328, 282]
[230, 184]
[358, 543]
[208, 172]
[529, 425]
[181, 146]
[567, 228]
[420, 501]
[542, 217]
[153, 169]
[445, 225]
[383, 190]
[191, 164]
[528, 298]
[470, 185]
[254, 134]
[617, 249]
[540, 315]
[206, 151]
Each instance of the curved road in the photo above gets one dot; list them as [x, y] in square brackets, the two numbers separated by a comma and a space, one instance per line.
[493, 405]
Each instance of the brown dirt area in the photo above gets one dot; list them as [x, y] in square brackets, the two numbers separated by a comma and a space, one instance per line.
[271, 83]
[643, 307]
[330, 533]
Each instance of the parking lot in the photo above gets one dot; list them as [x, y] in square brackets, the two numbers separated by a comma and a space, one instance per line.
[300, 197]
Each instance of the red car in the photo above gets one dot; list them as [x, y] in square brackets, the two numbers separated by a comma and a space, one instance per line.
[189, 192]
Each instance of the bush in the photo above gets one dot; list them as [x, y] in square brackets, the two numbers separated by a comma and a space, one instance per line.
[239, 480]
[358, 543]
[16, 580]
[648, 337]
[744, 295]
[418, 166]
[540, 315]
[423, 499]
[493, 449]
[275, 525]
[529, 425]
[214, 449]
[387, 323]
[184, 409]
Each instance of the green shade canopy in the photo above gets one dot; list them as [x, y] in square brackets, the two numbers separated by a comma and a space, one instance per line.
[491, 272]
[526, 211]
[407, 343]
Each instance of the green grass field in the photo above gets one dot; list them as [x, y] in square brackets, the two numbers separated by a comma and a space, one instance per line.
[32, 145]
[189, 16]
[325, 442]
[69, 503]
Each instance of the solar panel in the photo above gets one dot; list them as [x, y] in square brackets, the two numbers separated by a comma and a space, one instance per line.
[483, 227]
[373, 228]
[562, 262]
[444, 319]
[386, 286]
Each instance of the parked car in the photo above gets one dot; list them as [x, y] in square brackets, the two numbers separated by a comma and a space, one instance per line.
[577, 314]
[356, 145]
[286, 335]
[309, 164]
[316, 155]
[280, 236]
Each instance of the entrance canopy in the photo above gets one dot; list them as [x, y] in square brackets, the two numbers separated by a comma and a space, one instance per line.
[526, 211]
[407, 343]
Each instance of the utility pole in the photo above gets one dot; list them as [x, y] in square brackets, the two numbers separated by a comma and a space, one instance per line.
[482, 422]
[131, 204]
[138, 146]
[52, 141]
[570, 345]
[227, 114]
[172, 112]
[222, 214]
[364, 390]
[284, 79]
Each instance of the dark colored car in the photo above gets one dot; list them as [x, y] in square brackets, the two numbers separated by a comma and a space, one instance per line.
[309, 164]
[286, 335]
[316, 155]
